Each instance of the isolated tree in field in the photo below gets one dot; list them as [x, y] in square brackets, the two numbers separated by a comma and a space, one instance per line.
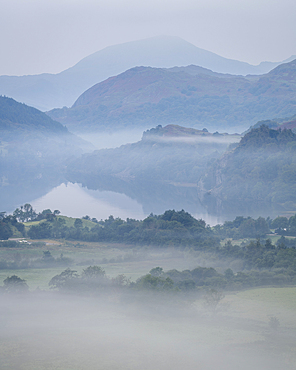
[156, 271]
[213, 298]
[47, 257]
[274, 323]
[93, 272]
[65, 280]
[14, 284]
[93, 278]
[120, 281]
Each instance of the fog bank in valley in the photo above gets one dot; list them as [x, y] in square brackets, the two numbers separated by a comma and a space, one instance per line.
[105, 139]
[54, 331]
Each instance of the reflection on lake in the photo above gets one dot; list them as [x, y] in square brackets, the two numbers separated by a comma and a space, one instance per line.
[130, 201]
[75, 201]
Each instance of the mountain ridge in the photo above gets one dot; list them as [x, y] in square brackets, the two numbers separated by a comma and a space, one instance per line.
[47, 91]
[16, 116]
[145, 97]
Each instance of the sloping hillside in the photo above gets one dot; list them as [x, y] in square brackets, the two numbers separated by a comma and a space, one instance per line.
[145, 97]
[47, 91]
[17, 118]
[259, 173]
[33, 152]
[278, 123]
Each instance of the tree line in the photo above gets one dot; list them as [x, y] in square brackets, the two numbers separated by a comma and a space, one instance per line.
[198, 281]
[172, 228]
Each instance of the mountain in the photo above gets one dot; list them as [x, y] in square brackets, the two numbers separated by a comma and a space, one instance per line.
[19, 122]
[17, 119]
[194, 96]
[47, 91]
[259, 174]
[33, 152]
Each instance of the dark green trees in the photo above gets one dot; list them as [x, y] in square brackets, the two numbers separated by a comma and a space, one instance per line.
[15, 284]
[7, 225]
[25, 213]
[40, 231]
[260, 173]
[66, 280]
[5, 230]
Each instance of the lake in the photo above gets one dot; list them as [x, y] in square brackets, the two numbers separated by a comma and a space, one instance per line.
[48, 190]
[108, 196]
[73, 200]
[76, 201]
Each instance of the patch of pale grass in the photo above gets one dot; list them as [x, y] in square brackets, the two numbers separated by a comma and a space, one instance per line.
[263, 303]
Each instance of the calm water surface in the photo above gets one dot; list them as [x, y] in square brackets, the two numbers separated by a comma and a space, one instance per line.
[73, 200]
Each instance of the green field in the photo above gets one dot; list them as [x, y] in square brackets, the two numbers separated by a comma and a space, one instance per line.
[69, 222]
[264, 303]
[117, 259]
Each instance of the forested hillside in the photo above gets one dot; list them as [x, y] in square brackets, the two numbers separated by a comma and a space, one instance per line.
[18, 119]
[276, 123]
[260, 172]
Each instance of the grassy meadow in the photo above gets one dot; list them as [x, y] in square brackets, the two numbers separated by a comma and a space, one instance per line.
[115, 259]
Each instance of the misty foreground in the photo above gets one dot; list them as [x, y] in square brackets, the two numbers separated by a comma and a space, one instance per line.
[47, 330]
[89, 320]
[173, 317]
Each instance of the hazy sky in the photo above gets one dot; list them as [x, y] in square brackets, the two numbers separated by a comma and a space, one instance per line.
[51, 35]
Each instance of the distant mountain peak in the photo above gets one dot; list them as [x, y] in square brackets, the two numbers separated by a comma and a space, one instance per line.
[48, 91]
